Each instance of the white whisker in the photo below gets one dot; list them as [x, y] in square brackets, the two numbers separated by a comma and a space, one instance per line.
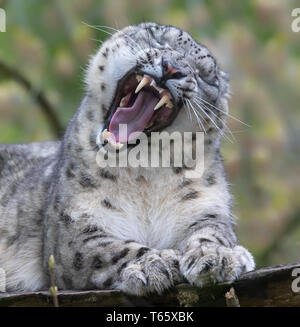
[224, 112]
[100, 41]
[214, 123]
[100, 28]
[125, 35]
[197, 117]
[222, 121]
[187, 110]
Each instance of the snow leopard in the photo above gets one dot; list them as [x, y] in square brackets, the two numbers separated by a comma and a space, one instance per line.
[140, 230]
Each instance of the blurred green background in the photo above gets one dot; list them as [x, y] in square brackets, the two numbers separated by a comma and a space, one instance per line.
[46, 48]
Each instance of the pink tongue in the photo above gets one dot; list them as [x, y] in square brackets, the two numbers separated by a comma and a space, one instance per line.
[136, 117]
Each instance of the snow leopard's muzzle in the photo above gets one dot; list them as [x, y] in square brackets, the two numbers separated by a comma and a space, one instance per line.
[143, 103]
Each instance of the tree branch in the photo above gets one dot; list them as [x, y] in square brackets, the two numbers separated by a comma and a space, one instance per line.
[231, 298]
[264, 287]
[37, 95]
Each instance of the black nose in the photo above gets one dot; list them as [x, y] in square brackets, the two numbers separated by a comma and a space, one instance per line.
[169, 72]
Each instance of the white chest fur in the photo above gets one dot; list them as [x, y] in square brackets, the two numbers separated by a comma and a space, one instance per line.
[148, 207]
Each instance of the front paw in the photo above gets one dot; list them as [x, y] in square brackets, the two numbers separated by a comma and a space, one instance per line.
[213, 263]
[154, 273]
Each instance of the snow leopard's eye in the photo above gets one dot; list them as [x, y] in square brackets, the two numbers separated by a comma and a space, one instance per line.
[178, 75]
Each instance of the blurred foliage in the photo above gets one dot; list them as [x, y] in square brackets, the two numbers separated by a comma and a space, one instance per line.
[48, 42]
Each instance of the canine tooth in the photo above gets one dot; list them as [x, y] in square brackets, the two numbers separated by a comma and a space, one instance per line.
[123, 102]
[139, 78]
[143, 83]
[163, 100]
[153, 83]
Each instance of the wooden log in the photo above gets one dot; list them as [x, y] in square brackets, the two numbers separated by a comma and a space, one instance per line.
[269, 286]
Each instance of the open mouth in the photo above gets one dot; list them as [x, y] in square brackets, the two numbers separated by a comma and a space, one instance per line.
[141, 105]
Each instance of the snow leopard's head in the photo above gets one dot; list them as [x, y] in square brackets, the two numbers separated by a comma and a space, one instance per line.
[154, 77]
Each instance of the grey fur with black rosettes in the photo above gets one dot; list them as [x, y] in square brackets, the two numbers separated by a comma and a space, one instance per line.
[140, 230]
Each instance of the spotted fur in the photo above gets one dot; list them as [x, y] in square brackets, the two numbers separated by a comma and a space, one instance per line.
[137, 229]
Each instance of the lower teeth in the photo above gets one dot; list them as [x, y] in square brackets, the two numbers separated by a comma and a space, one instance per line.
[123, 102]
